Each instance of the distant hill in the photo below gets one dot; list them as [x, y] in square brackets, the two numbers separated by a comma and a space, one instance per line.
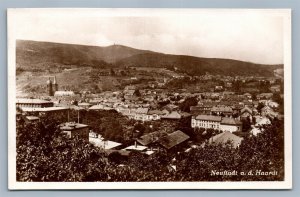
[30, 53]
[199, 66]
[39, 52]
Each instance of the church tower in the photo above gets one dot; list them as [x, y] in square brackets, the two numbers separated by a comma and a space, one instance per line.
[49, 87]
[55, 84]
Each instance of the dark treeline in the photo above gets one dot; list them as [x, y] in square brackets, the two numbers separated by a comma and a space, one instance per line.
[44, 154]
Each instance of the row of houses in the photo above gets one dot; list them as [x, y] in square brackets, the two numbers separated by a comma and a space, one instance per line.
[216, 122]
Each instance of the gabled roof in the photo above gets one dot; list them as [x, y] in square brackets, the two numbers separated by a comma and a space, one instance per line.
[209, 118]
[225, 137]
[172, 115]
[246, 109]
[173, 139]
[151, 137]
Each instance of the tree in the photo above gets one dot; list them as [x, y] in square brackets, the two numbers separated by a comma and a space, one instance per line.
[260, 106]
[246, 124]
[137, 93]
[187, 103]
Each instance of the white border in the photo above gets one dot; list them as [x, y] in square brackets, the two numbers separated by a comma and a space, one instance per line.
[14, 185]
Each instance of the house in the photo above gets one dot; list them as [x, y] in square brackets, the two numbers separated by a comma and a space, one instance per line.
[226, 137]
[231, 125]
[62, 93]
[85, 105]
[255, 131]
[141, 114]
[155, 114]
[32, 119]
[216, 122]
[151, 138]
[73, 129]
[105, 144]
[206, 121]
[246, 112]
[264, 96]
[248, 95]
[135, 147]
[174, 115]
[218, 87]
[222, 110]
[268, 111]
[272, 104]
[173, 139]
[262, 121]
[200, 109]
[275, 88]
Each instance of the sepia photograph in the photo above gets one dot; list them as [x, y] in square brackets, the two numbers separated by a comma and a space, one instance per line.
[149, 98]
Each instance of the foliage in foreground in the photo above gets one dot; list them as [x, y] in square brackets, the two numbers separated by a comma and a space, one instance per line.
[44, 154]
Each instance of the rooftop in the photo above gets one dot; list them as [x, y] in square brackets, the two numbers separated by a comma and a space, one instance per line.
[209, 118]
[151, 137]
[72, 126]
[173, 139]
[103, 144]
[133, 147]
[45, 109]
[32, 101]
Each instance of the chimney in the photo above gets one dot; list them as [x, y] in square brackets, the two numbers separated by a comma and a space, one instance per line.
[135, 144]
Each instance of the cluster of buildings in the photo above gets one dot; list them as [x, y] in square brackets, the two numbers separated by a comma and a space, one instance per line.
[219, 110]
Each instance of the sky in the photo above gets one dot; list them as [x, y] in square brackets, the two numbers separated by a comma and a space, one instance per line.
[253, 36]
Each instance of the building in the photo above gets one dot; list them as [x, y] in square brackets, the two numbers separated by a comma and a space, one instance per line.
[225, 138]
[55, 84]
[200, 109]
[246, 112]
[151, 138]
[262, 121]
[206, 121]
[173, 139]
[33, 103]
[216, 122]
[52, 87]
[73, 130]
[231, 125]
[222, 110]
[62, 93]
[49, 87]
[32, 119]
[267, 111]
[141, 114]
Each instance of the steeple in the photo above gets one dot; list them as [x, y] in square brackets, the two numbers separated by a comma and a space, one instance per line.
[55, 84]
[49, 87]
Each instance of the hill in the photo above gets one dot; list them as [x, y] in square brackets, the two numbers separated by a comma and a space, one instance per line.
[34, 52]
[37, 54]
[199, 66]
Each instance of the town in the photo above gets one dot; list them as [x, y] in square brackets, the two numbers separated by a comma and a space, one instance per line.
[173, 114]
